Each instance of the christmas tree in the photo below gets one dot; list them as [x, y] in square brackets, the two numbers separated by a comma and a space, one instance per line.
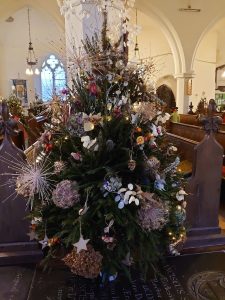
[15, 106]
[202, 105]
[104, 192]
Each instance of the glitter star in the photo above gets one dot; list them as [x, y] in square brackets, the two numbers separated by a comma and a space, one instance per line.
[44, 242]
[81, 244]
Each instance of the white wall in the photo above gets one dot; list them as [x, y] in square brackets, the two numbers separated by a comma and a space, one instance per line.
[204, 68]
[152, 43]
[47, 37]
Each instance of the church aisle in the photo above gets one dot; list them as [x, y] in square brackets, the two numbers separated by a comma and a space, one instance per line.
[189, 277]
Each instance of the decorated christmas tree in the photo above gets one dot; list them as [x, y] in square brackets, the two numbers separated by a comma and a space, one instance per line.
[104, 192]
[15, 106]
[202, 105]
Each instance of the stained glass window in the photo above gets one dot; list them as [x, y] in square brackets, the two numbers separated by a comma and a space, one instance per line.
[53, 77]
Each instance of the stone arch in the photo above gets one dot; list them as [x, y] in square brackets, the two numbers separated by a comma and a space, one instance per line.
[169, 81]
[169, 32]
[210, 26]
[47, 8]
[205, 59]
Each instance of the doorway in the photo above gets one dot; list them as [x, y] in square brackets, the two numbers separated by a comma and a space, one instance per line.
[166, 94]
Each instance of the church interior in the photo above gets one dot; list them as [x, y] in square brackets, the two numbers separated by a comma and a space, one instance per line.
[112, 138]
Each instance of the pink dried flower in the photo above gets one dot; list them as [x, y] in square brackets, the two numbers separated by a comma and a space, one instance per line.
[76, 156]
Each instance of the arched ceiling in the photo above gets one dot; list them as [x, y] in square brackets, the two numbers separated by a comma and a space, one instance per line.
[49, 7]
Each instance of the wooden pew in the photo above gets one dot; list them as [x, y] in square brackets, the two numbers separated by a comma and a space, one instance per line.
[193, 132]
[185, 151]
[185, 146]
[193, 120]
[35, 129]
[189, 119]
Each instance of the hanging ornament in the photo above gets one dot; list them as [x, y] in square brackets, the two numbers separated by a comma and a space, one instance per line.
[107, 228]
[153, 162]
[44, 242]
[131, 163]
[92, 87]
[58, 166]
[83, 210]
[82, 243]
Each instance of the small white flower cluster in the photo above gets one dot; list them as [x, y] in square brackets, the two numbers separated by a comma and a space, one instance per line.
[127, 196]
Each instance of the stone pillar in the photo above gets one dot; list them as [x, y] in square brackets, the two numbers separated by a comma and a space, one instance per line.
[184, 91]
[85, 20]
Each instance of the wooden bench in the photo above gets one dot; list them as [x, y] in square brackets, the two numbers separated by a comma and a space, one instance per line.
[185, 151]
[193, 120]
[193, 132]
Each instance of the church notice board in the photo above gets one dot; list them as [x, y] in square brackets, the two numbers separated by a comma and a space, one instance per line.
[20, 89]
[220, 99]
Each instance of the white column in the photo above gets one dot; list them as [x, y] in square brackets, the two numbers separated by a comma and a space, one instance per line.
[85, 19]
[184, 91]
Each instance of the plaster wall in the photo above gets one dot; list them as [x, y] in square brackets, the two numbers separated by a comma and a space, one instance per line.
[187, 28]
[204, 67]
[47, 37]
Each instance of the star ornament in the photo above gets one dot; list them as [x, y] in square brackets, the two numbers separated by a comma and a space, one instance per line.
[81, 244]
[44, 242]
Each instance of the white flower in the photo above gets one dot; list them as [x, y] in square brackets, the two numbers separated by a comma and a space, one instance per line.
[127, 196]
[134, 118]
[180, 195]
[88, 126]
[134, 199]
[154, 130]
[159, 183]
[88, 143]
[173, 148]
[162, 118]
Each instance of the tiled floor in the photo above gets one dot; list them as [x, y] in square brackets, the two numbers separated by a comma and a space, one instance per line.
[198, 277]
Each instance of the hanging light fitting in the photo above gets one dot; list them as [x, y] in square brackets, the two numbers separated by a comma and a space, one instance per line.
[31, 58]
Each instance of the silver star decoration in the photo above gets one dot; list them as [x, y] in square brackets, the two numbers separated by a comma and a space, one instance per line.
[81, 244]
[32, 235]
[44, 242]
